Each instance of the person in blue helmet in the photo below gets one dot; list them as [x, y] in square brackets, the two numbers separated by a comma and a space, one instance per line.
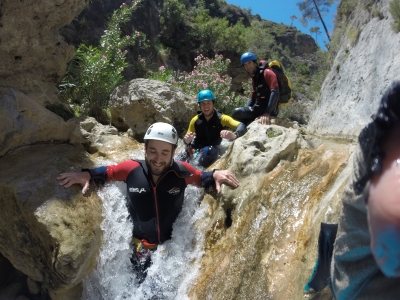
[264, 99]
[206, 129]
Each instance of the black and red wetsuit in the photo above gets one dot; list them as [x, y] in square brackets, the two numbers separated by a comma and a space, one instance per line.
[153, 206]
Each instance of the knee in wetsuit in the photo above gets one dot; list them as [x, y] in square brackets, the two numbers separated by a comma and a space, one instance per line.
[239, 113]
[208, 156]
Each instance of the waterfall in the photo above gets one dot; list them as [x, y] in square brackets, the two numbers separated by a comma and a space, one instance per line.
[175, 263]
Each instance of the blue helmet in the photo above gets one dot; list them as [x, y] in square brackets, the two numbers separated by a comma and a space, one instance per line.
[248, 56]
[205, 95]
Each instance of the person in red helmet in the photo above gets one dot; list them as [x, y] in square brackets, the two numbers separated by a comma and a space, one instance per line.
[155, 188]
[264, 99]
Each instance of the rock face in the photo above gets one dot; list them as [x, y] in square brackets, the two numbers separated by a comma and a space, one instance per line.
[262, 237]
[361, 72]
[25, 122]
[298, 43]
[33, 54]
[140, 102]
[46, 230]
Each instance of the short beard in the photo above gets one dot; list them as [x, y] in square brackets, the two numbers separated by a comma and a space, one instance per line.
[157, 173]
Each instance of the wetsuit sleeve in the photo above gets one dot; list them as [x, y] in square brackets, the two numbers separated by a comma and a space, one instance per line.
[109, 173]
[191, 124]
[198, 178]
[252, 100]
[272, 81]
[121, 170]
[230, 122]
[227, 121]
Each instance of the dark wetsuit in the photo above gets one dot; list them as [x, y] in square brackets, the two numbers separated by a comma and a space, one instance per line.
[153, 207]
[264, 97]
[208, 134]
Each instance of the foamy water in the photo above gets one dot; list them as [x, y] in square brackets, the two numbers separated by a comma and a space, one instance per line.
[174, 265]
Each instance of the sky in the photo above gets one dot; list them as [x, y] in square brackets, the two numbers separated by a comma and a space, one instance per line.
[280, 11]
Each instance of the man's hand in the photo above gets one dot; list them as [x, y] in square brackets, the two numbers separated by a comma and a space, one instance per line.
[188, 138]
[264, 119]
[226, 134]
[68, 179]
[225, 176]
[384, 207]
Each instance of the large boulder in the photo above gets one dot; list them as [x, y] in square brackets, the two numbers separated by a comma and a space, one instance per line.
[25, 122]
[140, 102]
[33, 55]
[50, 233]
[261, 240]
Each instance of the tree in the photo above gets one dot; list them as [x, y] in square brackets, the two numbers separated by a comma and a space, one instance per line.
[313, 10]
[293, 18]
[316, 31]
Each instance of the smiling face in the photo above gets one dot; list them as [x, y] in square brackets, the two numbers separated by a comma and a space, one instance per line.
[250, 67]
[158, 157]
[207, 108]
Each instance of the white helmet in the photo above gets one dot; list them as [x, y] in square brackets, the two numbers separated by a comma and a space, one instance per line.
[162, 132]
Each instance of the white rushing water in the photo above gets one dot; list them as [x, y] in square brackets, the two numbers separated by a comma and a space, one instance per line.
[175, 263]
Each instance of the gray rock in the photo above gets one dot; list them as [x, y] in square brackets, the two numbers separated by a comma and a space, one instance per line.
[141, 102]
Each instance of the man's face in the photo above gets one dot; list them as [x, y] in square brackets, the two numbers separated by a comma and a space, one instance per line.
[250, 67]
[207, 107]
[158, 156]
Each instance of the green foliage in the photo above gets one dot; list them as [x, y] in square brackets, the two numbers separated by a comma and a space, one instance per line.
[394, 9]
[304, 69]
[353, 34]
[295, 111]
[314, 10]
[96, 71]
[172, 21]
[259, 39]
[272, 133]
[162, 74]
[215, 34]
[211, 74]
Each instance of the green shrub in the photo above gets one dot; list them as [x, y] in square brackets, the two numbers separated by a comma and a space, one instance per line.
[94, 72]
[211, 74]
[394, 9]
[295, 111]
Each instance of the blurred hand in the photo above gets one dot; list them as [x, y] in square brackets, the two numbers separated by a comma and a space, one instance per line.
[264, 119]
[225, 176]
[188, 138]
[226, 134]
[68, 179]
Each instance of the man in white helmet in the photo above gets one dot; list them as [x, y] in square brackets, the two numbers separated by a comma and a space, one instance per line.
[155, 188]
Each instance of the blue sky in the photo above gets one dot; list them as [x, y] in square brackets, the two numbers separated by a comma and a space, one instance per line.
[280, 11]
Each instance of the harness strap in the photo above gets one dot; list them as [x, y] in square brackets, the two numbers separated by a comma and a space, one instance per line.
[143, 244]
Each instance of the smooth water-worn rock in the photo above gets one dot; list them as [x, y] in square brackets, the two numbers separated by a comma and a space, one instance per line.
[262, 237]
[25, 122]
[49, 233]
[139, 103]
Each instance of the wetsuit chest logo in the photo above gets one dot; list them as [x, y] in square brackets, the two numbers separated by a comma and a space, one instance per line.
[137, 190]
[174, 191]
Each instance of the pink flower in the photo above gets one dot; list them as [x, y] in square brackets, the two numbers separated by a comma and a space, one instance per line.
[128, 37]
[137, 33]
[162, 68]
